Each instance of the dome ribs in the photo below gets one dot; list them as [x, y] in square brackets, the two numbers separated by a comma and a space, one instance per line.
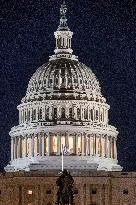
[63, 79]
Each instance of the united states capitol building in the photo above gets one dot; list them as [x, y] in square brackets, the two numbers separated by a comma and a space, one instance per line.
[64, 106]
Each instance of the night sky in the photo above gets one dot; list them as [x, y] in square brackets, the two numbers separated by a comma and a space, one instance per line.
[104, 39]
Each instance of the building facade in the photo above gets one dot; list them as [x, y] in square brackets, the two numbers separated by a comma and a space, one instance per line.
[91, 188]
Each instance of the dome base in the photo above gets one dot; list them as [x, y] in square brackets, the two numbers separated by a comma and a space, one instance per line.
[55, 163]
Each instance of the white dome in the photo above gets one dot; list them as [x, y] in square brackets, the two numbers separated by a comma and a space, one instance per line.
[63, 79]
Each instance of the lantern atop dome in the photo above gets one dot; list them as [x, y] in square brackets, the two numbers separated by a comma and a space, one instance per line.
[63, 37]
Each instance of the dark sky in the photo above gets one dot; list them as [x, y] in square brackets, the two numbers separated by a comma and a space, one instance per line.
[104, 39]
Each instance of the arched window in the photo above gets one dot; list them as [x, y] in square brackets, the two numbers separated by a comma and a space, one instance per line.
[62, 112]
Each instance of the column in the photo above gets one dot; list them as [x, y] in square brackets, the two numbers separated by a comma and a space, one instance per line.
[50, 112]
[76, 144]
[82, 113]
[43, 143]
[88, 110]
[83, 145]
[66, 139]
[109, 142]
[100, 145]
[93, 113]
[87, 148]
[40, 144]
[37, 109]
[25, 146]
[49, 146]
[12, 149]
[19, 147]
[19, 116]
[107, 147]
[43, 112]
[115, 149]
[111, 147]
[32, 145]
[96, 145]
[75, 112]
[15, 150]
[90, 142]
[31, 112]
[58, 144]
[35, 144]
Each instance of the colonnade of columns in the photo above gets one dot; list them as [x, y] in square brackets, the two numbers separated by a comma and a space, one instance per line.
[80, 144]
[44, 112]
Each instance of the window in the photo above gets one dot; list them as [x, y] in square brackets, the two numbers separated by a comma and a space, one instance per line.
[78, 113]
[34, 115]
[69, 80]
[62, 112]
[29, 192]
[94, 191]
[91, 111]
[55, 113]
[40, 113]
[63, 80]
[70, 112]
[28, 116]
[48, 192]
[47, 113]
[96, 114]
[56, 80]
[85, 113]
[125, 191]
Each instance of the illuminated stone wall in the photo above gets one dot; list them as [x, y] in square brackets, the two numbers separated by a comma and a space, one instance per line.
[91, 188]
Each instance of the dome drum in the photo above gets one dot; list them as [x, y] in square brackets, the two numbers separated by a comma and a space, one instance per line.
[82, 111]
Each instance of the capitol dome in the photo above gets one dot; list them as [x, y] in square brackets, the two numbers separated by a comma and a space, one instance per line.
[63, 79]
[63, 108]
